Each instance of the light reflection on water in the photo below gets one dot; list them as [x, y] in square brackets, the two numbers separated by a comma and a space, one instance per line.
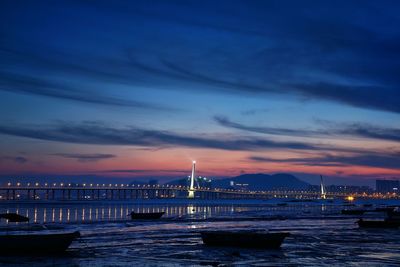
[67, 213]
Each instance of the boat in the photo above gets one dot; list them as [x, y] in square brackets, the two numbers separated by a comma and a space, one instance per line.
[387, 223]
[36, 243]
[26, 227]
[393, 215]
[14, 217]
[244, 239]
[146, 216]
[353, 212]
[384, 209]
[26, 243]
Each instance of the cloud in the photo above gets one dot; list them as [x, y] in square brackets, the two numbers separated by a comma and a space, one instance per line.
[18, 159]
[99, 134]
[144, 171]
[331, 129]
[321, 52]
[249, 112]
[366, 96]
[17, 83]
[85, 157]
[386, 161]
[224, 121]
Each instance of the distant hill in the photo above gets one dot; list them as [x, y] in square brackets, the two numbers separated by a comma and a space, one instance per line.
[257, 181]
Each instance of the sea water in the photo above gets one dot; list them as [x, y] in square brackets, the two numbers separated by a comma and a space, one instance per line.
[320, 235]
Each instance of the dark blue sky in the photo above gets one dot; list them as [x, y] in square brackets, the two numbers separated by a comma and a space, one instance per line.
[98, 87]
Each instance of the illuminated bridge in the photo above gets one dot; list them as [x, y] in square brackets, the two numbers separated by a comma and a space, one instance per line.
[70, 191]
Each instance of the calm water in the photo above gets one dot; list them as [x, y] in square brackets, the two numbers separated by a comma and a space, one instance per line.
[320, 235]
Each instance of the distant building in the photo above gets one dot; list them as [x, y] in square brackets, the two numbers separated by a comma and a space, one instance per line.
[387, 186]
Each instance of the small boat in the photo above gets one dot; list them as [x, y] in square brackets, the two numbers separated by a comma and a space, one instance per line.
[14, 217]
[43, 243]
[146, 216]
[384, 209]
[243, 239]
[36, 243]
[394, 215]
[26, 227]
[387, 223]
[353, 212]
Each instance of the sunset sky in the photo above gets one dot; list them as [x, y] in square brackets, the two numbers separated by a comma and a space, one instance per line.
[142, 88]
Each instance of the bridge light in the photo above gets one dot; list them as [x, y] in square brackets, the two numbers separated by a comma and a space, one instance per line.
[91, 184]
[37, 184]
[84, 184]
[62, 184]
[18, 184]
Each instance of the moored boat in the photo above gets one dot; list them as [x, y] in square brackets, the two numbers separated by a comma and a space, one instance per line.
[244, 239]
[384, 209]
[15, 242]
[387, 223]
[36, 243]
[146, 216]
[353, 212]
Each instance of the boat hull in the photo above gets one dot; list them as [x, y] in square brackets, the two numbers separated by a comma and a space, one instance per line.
[36, 243]
[353, 212]
[378, 224]
[240, 239]
[146, 216]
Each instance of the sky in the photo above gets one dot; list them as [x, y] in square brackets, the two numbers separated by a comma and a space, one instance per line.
[136, 89]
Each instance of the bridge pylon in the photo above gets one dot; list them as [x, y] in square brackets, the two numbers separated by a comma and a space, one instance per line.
[191, 188]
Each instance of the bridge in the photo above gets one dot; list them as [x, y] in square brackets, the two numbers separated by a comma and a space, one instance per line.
[70, 191]
[73, 191]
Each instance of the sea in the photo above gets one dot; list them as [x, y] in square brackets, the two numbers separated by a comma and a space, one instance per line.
[320, 234]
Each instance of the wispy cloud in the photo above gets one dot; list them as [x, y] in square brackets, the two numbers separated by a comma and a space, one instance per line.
[226, 122]
[18, 83]
[144, 171]
[250, 50]
[362, 130]
[386, 161]
[97, 133]
[331, 129]
[85, 157]
[17, 159]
